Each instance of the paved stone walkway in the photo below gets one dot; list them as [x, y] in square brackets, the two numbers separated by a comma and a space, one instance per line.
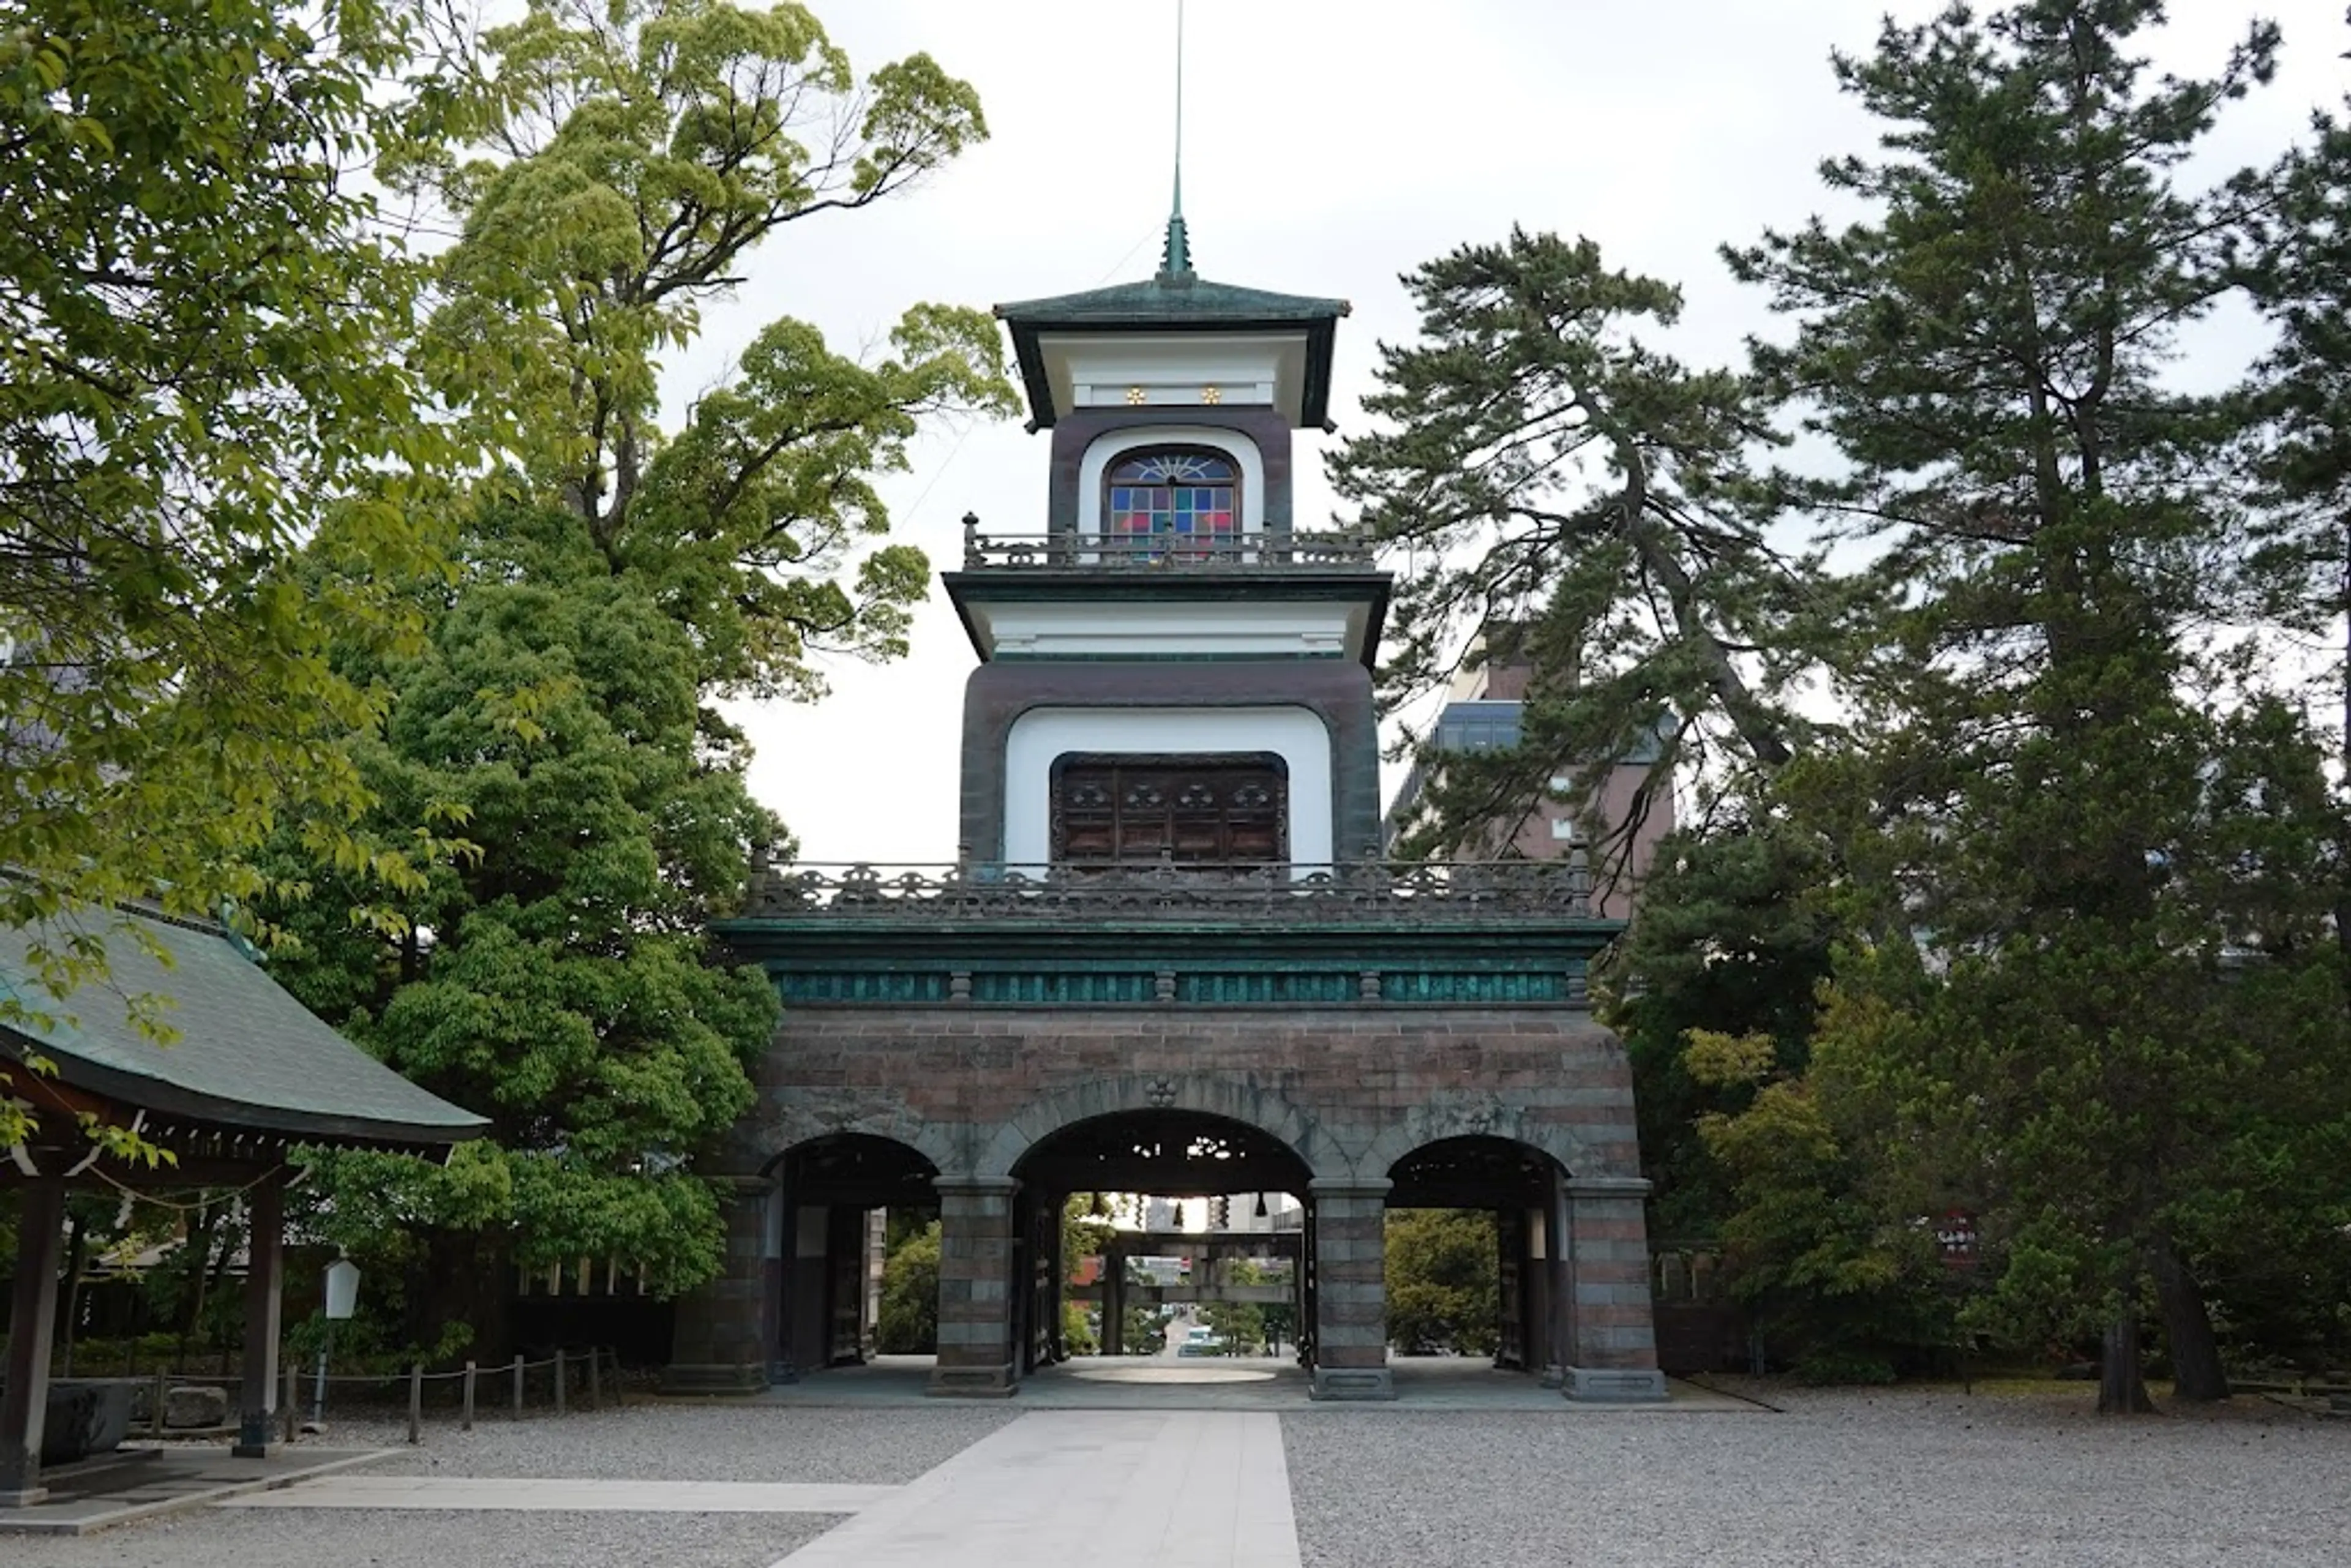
[1178, 1489]
[587, 1496]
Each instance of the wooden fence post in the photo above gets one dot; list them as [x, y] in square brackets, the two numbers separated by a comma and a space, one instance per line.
[416, 1401]
[466, 1423]
[559, 1381]
[518, 1383]
[289, 1403]
[155, 1415]
[596, 1377]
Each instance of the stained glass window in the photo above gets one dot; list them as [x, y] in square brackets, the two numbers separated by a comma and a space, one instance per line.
[1179, 498]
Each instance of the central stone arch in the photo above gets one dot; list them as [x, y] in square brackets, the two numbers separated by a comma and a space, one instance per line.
[1221, 1096]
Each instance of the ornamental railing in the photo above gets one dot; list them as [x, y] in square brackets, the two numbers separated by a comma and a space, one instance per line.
[1160, 551]
[1405, 891]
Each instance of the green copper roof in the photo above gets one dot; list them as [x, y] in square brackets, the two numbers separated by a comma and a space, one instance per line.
[1178, 299]
[248, 1055]
[1175, 299]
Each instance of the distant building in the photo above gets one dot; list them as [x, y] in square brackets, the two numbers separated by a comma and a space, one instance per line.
[1485, 711]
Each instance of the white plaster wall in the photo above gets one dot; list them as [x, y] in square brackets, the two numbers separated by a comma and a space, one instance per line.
[1238, 447]
[1093, 370]
[1251, 627]
[1042, 735]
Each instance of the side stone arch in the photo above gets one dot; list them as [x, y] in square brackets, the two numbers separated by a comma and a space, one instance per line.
[1471, 1114]
[785, 1119]
[1235, 1099]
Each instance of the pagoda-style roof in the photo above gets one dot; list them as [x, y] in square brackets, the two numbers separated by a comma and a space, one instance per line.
[1174, 301]
[248, 1057]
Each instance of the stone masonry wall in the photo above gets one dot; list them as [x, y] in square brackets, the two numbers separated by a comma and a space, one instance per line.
[1351, 1092]
[973, 1089]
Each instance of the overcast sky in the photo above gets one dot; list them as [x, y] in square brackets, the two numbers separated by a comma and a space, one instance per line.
[1329, 146]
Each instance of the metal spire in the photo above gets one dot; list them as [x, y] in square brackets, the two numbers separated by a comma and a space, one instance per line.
[1176, 259]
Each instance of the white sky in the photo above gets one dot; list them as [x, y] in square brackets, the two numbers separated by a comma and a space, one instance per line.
[1329, 146]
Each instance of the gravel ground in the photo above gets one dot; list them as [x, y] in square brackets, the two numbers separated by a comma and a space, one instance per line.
[688, 1442]
[644, 1442]
[384, 1538]
[1918, 1478]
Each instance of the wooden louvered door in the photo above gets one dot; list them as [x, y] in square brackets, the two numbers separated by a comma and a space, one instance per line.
[1201, 810]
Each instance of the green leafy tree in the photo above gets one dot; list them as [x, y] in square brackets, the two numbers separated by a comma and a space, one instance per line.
[1985, 351]
[909, 1322]
[1444, 1280]
[208, 347]
[1823, 1240]
[612, 169]
[1145, 1332]
[558, 978]
[1733, 937]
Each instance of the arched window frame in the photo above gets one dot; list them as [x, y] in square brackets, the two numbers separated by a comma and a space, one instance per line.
[1236, 483]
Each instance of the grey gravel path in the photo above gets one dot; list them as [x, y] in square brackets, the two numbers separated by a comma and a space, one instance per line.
[1924, 1479]
[685, 1442]
[647, 1442]
[235, 1537]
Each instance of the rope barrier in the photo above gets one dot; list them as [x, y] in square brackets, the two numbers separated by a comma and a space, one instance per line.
[401, 1375]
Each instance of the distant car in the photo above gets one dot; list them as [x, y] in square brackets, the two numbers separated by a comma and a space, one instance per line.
[1202, 1342]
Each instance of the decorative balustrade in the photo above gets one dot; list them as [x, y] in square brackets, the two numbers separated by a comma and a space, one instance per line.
[1406, 893]
[1158, 552]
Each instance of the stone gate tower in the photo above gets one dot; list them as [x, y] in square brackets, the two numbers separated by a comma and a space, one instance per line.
[1168, 958]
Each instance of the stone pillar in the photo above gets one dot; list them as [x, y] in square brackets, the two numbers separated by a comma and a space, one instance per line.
[1114, 1289]
[1534, 1284]
[717, 1345]
[1614, 1356]
[264, 1296]
[1560, 1293]
[976, 1356]
[778, 1238]
[24, 1402]
[1351, 1298]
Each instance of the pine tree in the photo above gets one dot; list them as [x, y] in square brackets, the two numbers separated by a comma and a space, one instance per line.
[1558, 484]
[1986, 351]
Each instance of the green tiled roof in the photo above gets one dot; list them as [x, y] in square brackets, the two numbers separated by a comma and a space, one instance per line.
[248, 1055]
[1171, 300]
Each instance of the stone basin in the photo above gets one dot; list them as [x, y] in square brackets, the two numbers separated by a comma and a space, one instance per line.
[85, 1415]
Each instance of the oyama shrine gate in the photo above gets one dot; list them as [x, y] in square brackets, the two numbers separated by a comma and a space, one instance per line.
[1169, 958]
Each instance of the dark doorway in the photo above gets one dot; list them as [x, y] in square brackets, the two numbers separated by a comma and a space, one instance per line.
[840, 1199]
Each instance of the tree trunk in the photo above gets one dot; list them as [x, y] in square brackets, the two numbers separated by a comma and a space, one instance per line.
[2195, 1352]
[2121, 1390]
[196, 1256]
[219, 1273]
[69, 1295]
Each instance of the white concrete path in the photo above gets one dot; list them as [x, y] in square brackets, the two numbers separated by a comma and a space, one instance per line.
[1173, 1489]
[600, 1496]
